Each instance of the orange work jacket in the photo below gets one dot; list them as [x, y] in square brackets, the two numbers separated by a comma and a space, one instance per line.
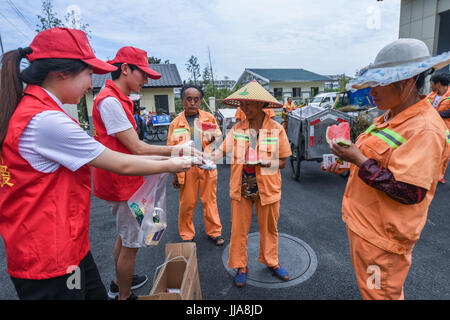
[412, 146]
[180, 132]
[272, 144]
[289, 106]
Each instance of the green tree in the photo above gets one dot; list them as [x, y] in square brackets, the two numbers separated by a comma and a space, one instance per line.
[206, 76]
[193, 67]
[343, 80]
[48, 19]
[154, 60]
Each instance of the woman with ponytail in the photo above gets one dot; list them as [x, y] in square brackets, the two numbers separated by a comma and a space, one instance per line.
[45, 176]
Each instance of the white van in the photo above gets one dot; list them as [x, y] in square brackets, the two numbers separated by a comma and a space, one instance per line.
[323, 100]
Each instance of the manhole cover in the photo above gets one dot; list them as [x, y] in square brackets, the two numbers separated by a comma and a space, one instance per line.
[295, 255]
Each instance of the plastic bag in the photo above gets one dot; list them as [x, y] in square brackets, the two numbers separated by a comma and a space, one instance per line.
[148, 205]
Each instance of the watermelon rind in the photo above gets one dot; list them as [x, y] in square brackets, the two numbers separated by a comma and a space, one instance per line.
[326, 136]
[343, 142]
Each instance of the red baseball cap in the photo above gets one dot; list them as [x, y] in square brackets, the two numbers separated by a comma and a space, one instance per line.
[65, 43]
[137, 57]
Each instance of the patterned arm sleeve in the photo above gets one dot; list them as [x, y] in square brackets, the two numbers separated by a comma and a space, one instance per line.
[372, 173]
[445, 114]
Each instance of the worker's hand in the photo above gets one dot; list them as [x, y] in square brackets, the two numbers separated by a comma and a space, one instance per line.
[334, 168]
[351, 153]
[175, 182]
[209, 136]
[179, 164]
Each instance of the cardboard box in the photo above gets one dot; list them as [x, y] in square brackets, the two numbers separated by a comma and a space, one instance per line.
[178, 278]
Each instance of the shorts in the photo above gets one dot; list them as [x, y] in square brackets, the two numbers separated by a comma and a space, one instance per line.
[127, 225]
[82, 284]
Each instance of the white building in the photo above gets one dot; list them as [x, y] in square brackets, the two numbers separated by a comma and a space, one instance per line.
[299, 84]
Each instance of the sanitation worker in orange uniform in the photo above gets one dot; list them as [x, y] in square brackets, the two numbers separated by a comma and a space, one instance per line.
[259, 147]
[200, 127]
[395, 167]
[440, 99]
[289, 105]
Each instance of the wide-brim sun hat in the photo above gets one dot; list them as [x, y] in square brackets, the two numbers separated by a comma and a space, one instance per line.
[252, 91]
[137, 57]
[65, 43]
[400, 60]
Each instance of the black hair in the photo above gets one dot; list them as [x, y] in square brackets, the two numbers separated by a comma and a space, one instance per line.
[116, 74]
[39, 69]
[188, 86]
[442, 78]
[420, 79]
[12, 79]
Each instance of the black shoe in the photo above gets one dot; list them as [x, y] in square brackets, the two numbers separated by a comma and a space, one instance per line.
[131, 297]
[137, 282]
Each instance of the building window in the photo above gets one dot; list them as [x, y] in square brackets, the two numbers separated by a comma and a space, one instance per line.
[278, 93]
[314, 91]
[296, 92]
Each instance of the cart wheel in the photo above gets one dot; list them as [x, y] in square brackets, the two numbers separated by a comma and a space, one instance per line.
[161, 133]
[295, 160]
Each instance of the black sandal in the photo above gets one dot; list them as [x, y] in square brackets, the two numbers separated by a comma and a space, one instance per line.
[216, 240]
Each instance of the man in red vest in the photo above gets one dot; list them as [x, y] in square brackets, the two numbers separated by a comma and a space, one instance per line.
[115, 127]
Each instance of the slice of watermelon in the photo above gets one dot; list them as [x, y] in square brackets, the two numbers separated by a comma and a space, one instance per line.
[204, 126]
[340, 132]
[251, 157]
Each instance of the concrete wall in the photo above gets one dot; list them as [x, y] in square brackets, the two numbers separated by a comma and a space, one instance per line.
[419, 19]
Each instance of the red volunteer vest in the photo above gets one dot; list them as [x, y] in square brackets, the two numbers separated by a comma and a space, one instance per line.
[44, 217]
[107, 185]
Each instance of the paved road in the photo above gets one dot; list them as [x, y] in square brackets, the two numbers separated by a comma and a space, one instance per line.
[310, 210]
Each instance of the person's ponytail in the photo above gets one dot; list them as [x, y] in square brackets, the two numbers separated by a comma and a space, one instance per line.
[11, 89]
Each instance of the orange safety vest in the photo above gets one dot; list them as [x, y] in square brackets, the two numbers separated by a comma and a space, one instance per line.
[412, 146]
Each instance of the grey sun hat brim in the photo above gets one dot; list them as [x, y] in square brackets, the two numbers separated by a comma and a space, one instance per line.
[384, 75]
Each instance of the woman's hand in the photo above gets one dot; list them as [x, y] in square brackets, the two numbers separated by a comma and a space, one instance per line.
[334, 168]
[187, 149]
[180, 164]
[351, 153]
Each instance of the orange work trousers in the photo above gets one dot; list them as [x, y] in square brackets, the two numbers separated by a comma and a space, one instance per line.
[241, 218]
[380, 274]
[206, 181]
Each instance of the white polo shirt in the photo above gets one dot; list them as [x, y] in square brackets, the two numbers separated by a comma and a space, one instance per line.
[52, 139]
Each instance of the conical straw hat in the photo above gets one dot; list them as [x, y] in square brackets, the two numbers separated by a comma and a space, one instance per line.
[252, 91]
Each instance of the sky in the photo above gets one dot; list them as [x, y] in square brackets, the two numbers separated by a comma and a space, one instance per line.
[323, 36]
